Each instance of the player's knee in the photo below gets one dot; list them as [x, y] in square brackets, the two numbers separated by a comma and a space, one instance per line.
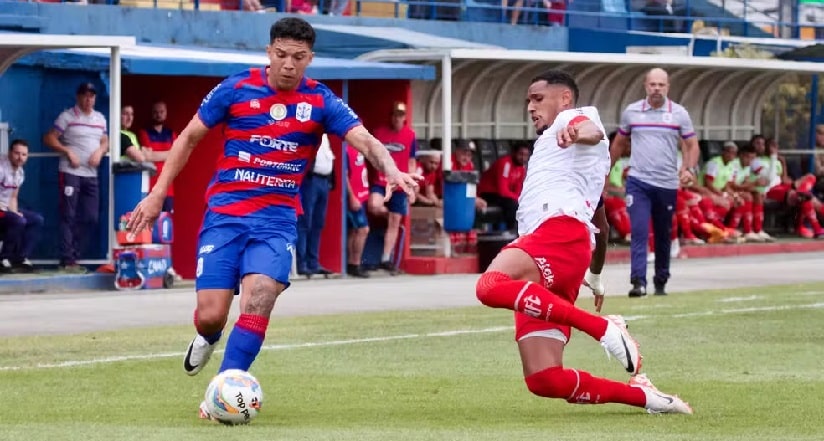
[550, 383]
[486, 283]
[211, 317]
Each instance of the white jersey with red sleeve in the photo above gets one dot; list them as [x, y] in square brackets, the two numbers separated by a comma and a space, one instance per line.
[563, 181]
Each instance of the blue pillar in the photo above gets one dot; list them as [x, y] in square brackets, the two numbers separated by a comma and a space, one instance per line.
[813, 119]
[344, 175]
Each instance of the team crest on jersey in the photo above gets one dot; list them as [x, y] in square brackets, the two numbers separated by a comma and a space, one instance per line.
[667, 117]
[303, 112]
[254, 104]
[277, 112]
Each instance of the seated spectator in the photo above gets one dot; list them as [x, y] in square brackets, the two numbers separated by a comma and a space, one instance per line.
[744, 186]
[20, 228]
[779, 187]
[430, 192]
[501, 185]
[129, 145]
[717, 176]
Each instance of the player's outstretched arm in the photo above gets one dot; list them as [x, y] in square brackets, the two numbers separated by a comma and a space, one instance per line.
[377, 154]
[149, 208]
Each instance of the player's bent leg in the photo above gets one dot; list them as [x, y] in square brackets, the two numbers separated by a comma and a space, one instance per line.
[510, 283]
[209, 319]
[265, 268]
[541, 350]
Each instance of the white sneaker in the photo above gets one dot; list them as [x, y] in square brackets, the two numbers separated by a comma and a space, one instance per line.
[753, 237]
[197, 355]
[618, 343]
[765, 237]
[657, 401]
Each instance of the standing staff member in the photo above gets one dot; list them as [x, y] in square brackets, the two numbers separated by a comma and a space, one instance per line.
[655, 126]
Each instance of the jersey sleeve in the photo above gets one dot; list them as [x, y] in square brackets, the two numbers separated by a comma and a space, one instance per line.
[684, 123]
[338, 117]
[624, 127]
[214, 108]
[711, 169]
[62, 121]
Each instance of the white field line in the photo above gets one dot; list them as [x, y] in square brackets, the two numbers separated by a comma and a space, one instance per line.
[281, 347]
[738, 299]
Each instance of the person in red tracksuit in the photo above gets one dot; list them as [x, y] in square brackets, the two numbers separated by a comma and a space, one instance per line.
[501, 184]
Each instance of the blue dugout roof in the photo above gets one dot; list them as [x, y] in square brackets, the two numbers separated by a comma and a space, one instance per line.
[196, 61]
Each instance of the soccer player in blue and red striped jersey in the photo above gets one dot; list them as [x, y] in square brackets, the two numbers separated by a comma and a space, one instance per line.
[273, 119]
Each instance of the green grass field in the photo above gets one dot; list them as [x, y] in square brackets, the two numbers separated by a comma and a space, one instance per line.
[748, 361]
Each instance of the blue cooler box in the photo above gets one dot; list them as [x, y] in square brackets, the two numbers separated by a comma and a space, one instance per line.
[144, 266]
[459, 200]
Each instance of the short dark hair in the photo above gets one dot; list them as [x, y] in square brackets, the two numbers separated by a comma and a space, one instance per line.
[749, 148]
[17, 142]
[292, 28]
[560, 78]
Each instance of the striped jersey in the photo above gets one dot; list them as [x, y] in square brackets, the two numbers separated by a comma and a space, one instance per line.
[270, 139]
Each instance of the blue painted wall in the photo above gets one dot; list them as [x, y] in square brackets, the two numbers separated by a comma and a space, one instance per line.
[30, 100]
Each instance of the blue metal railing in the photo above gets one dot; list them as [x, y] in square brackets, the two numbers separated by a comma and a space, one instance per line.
[592, 14]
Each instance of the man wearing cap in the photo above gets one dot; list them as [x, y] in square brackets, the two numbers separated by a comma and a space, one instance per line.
[400, 140]
[655, 126]
[79, 136]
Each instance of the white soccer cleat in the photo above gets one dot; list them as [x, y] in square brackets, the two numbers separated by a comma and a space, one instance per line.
[657, 401]
[197, 355]
[619, 343]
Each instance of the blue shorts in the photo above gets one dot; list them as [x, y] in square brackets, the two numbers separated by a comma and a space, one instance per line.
[397, 203]
[230, 247]
[356, 219]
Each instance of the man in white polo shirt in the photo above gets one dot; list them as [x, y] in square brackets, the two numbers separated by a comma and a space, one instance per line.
[314, 197]
[20, 228]
[79, 135]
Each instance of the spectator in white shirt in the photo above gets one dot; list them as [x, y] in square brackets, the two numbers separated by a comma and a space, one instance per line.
[20, 228]
[79, 135]
[314, 195]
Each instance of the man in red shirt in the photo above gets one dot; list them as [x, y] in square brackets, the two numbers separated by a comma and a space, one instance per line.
[357, 193]
[400, 140]
[157, 140]
[501, 185]
[430, 193]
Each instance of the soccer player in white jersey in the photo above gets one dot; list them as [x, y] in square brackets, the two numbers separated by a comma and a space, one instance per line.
[539, 274]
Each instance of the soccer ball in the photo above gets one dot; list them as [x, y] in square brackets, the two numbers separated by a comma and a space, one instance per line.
[234, 397]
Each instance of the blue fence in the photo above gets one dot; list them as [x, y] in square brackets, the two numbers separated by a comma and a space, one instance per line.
[758, 18]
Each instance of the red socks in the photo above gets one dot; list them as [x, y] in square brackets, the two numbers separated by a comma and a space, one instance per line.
[579, 387]
[758, 217]
[498, 290]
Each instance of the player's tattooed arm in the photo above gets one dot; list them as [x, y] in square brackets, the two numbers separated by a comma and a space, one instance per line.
[374, 151]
